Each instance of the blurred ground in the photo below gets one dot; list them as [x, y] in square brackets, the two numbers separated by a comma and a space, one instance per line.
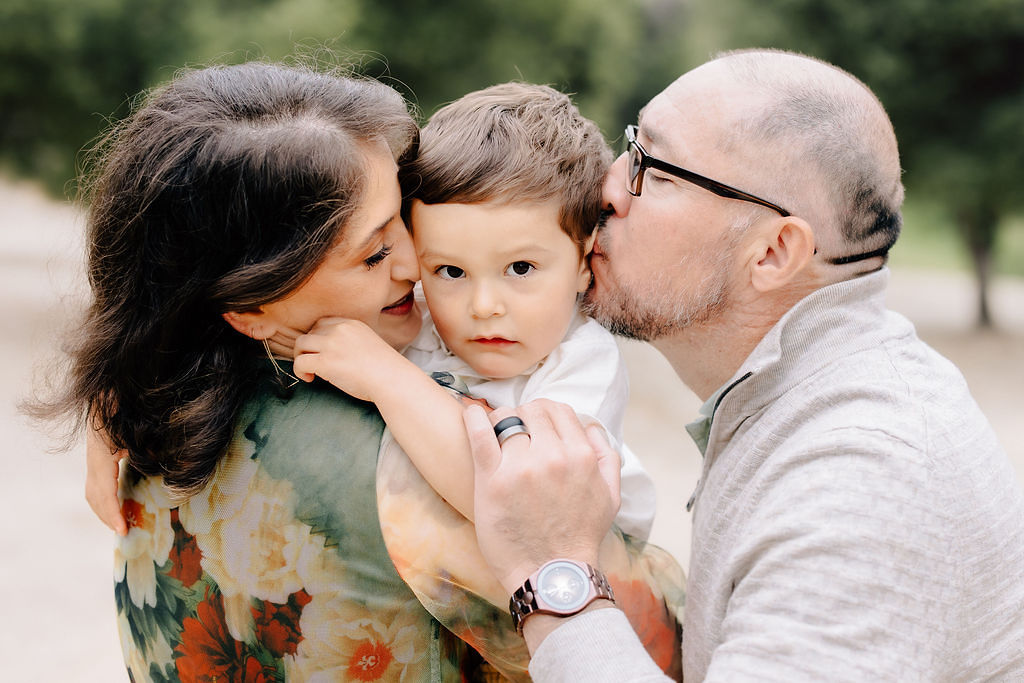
[56, 568]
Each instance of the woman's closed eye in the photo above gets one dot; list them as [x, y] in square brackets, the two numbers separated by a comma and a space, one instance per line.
[378, 257]
[449, 272]
[519, 268]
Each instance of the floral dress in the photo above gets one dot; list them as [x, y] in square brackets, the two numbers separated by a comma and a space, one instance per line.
[318, 553]
[277, 570]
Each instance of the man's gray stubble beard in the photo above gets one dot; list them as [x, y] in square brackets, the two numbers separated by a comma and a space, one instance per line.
[660, 311]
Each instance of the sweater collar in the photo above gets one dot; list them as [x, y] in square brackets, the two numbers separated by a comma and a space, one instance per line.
[827, 323]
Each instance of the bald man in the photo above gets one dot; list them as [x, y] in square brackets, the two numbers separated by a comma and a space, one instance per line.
[855, 518]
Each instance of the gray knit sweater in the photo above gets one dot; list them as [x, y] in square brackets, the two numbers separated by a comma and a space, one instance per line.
[856, 519]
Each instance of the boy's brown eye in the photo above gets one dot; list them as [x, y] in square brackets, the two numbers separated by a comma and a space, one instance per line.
[450, 272]
[519, 268]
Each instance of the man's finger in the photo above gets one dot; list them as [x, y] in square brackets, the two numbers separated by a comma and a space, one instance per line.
[482, 442]
[565, 423]
[608, 461]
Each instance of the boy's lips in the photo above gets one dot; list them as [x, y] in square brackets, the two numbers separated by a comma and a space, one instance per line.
[492, 341]
[401, 307]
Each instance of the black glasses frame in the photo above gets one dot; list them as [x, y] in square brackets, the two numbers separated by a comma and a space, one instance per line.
[640, 161]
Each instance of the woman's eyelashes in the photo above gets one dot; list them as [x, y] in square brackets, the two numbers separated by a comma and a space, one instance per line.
[378, 257]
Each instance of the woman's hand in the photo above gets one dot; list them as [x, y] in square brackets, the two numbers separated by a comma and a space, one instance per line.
[101, 469]
[551, 495]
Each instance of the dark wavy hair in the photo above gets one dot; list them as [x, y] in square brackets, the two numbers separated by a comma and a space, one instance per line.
[223, 191]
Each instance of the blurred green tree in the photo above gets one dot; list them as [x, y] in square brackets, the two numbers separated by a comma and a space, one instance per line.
[607, 53]
[67, 66]
[951, 75]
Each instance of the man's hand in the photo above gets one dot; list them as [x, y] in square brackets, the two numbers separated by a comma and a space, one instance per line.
[101, 480]
[551, 495]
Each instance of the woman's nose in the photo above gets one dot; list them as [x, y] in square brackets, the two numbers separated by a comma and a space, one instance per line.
[614, 196]
[404, 266]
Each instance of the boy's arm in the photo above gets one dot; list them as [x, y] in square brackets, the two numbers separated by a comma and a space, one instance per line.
[101, 467]
[424, 418]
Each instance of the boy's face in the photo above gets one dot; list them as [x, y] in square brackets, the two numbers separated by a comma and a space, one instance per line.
[500, 281]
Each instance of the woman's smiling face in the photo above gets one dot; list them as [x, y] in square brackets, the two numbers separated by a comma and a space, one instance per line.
[368, 276]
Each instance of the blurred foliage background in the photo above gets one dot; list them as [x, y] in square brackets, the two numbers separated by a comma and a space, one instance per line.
[950, 72]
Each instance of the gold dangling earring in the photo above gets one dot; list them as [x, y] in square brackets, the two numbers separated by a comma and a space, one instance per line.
[278, 368]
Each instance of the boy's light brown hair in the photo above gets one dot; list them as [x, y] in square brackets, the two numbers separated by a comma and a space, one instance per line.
[512, 143]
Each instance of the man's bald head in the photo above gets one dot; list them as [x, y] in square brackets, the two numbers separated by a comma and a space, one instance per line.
[814, 139]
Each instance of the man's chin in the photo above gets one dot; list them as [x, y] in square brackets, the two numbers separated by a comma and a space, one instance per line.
[615, 316]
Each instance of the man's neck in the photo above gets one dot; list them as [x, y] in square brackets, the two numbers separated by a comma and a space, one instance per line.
[706, 356]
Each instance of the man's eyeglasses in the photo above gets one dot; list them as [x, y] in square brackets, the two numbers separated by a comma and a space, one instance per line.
[640, 161]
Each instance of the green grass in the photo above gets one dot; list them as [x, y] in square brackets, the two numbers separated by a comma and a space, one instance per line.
[930, 240]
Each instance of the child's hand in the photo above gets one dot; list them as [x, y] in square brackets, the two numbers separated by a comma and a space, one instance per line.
[348, 354]
[101, 462]
[282, 344]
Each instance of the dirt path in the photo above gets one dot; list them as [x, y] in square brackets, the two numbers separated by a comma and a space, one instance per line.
[56, 572]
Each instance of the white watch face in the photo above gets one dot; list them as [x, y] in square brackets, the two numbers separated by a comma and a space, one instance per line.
[563, 585]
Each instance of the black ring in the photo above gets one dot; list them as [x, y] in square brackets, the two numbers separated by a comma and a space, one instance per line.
[509, 427]
[506, 423]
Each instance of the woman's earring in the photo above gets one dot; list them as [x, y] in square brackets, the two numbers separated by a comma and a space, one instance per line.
[278, 368]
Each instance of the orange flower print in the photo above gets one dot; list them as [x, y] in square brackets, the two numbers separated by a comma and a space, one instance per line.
[370, 661]
[208, 653]
[277, 625]
[343, 640]
[135, 515]
[148, 543]
[653, 622]
[185, 556]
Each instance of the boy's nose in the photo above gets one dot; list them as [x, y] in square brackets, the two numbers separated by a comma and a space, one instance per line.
[486, 302]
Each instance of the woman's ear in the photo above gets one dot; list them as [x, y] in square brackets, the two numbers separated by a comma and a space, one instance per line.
[785, 248]
[250, 323]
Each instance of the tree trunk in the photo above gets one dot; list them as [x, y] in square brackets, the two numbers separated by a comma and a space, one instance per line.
[982, 260]
[978, 226]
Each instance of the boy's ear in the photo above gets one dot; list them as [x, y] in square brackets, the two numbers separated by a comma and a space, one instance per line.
[782, 251]
[583, 281]
[250, 323]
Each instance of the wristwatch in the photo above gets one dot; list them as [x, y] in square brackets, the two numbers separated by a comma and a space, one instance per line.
[559, 587]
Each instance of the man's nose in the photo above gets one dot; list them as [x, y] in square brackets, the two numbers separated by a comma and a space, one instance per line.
[614, 196]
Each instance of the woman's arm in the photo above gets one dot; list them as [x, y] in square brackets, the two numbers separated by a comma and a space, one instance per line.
[424, 418]
[101, 468]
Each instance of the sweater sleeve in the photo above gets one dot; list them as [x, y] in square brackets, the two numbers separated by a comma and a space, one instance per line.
[598, 647]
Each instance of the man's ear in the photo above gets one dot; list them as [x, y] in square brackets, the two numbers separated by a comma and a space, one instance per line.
[250, 323]
[785, 247]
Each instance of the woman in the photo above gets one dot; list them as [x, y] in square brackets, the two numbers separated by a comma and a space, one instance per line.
[251, 199]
